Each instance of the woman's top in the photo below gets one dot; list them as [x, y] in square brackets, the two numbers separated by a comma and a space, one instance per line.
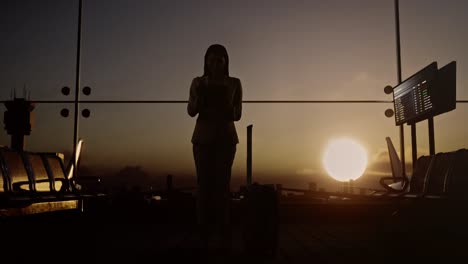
[218, 105]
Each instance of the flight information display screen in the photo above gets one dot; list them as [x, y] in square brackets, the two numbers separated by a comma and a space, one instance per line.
[413, 98]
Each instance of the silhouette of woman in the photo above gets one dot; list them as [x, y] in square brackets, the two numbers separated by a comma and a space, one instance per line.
[217, 99]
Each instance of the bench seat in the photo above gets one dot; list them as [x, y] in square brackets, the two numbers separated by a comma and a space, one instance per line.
[38, 181]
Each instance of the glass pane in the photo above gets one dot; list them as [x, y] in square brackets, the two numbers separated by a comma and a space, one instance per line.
[142, 143]
[151, 50]
[333, 50]
[435, 35]
[50, 131]
[280, 50]
[38, 48]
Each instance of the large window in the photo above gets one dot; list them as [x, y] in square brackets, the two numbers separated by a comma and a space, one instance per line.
[281, 50]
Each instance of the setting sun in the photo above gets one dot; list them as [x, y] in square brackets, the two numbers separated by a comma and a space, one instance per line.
[345, 159]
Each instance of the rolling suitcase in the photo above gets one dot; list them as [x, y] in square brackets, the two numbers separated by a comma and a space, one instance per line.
[260, 220]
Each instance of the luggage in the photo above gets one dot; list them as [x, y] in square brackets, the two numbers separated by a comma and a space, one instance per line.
[260, 220]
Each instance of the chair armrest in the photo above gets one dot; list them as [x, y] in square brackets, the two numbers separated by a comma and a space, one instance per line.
[390, 188]
[17, 186]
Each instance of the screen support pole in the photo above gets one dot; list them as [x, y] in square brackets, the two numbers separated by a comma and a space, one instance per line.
[249, 155]
[430, 123]
[414, 146]
[402, 132]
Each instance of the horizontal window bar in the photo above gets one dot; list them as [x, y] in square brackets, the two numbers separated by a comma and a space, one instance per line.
[246, 101]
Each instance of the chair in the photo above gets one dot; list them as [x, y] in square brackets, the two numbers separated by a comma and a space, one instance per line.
[16, 176]
[37, 171]
[38, 178]
[456, 182]
[442, 175]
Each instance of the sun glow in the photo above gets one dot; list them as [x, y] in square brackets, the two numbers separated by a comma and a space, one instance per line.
[345, 159]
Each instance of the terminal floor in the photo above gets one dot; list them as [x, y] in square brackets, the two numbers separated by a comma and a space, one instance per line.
[307, 234]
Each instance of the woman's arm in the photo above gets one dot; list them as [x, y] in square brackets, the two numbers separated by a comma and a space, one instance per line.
[237, 103]
[192, 107]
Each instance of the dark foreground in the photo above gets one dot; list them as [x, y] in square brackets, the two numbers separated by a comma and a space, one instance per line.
[308, 232]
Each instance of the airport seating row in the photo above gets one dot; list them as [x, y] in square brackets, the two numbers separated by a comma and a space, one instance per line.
[37, 178]
[443, 175]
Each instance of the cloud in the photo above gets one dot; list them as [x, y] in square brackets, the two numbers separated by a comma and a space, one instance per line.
[362, 77]
[357, 85]
[306, 171]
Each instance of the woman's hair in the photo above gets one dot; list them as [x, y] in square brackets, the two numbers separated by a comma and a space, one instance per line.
[219, 50]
